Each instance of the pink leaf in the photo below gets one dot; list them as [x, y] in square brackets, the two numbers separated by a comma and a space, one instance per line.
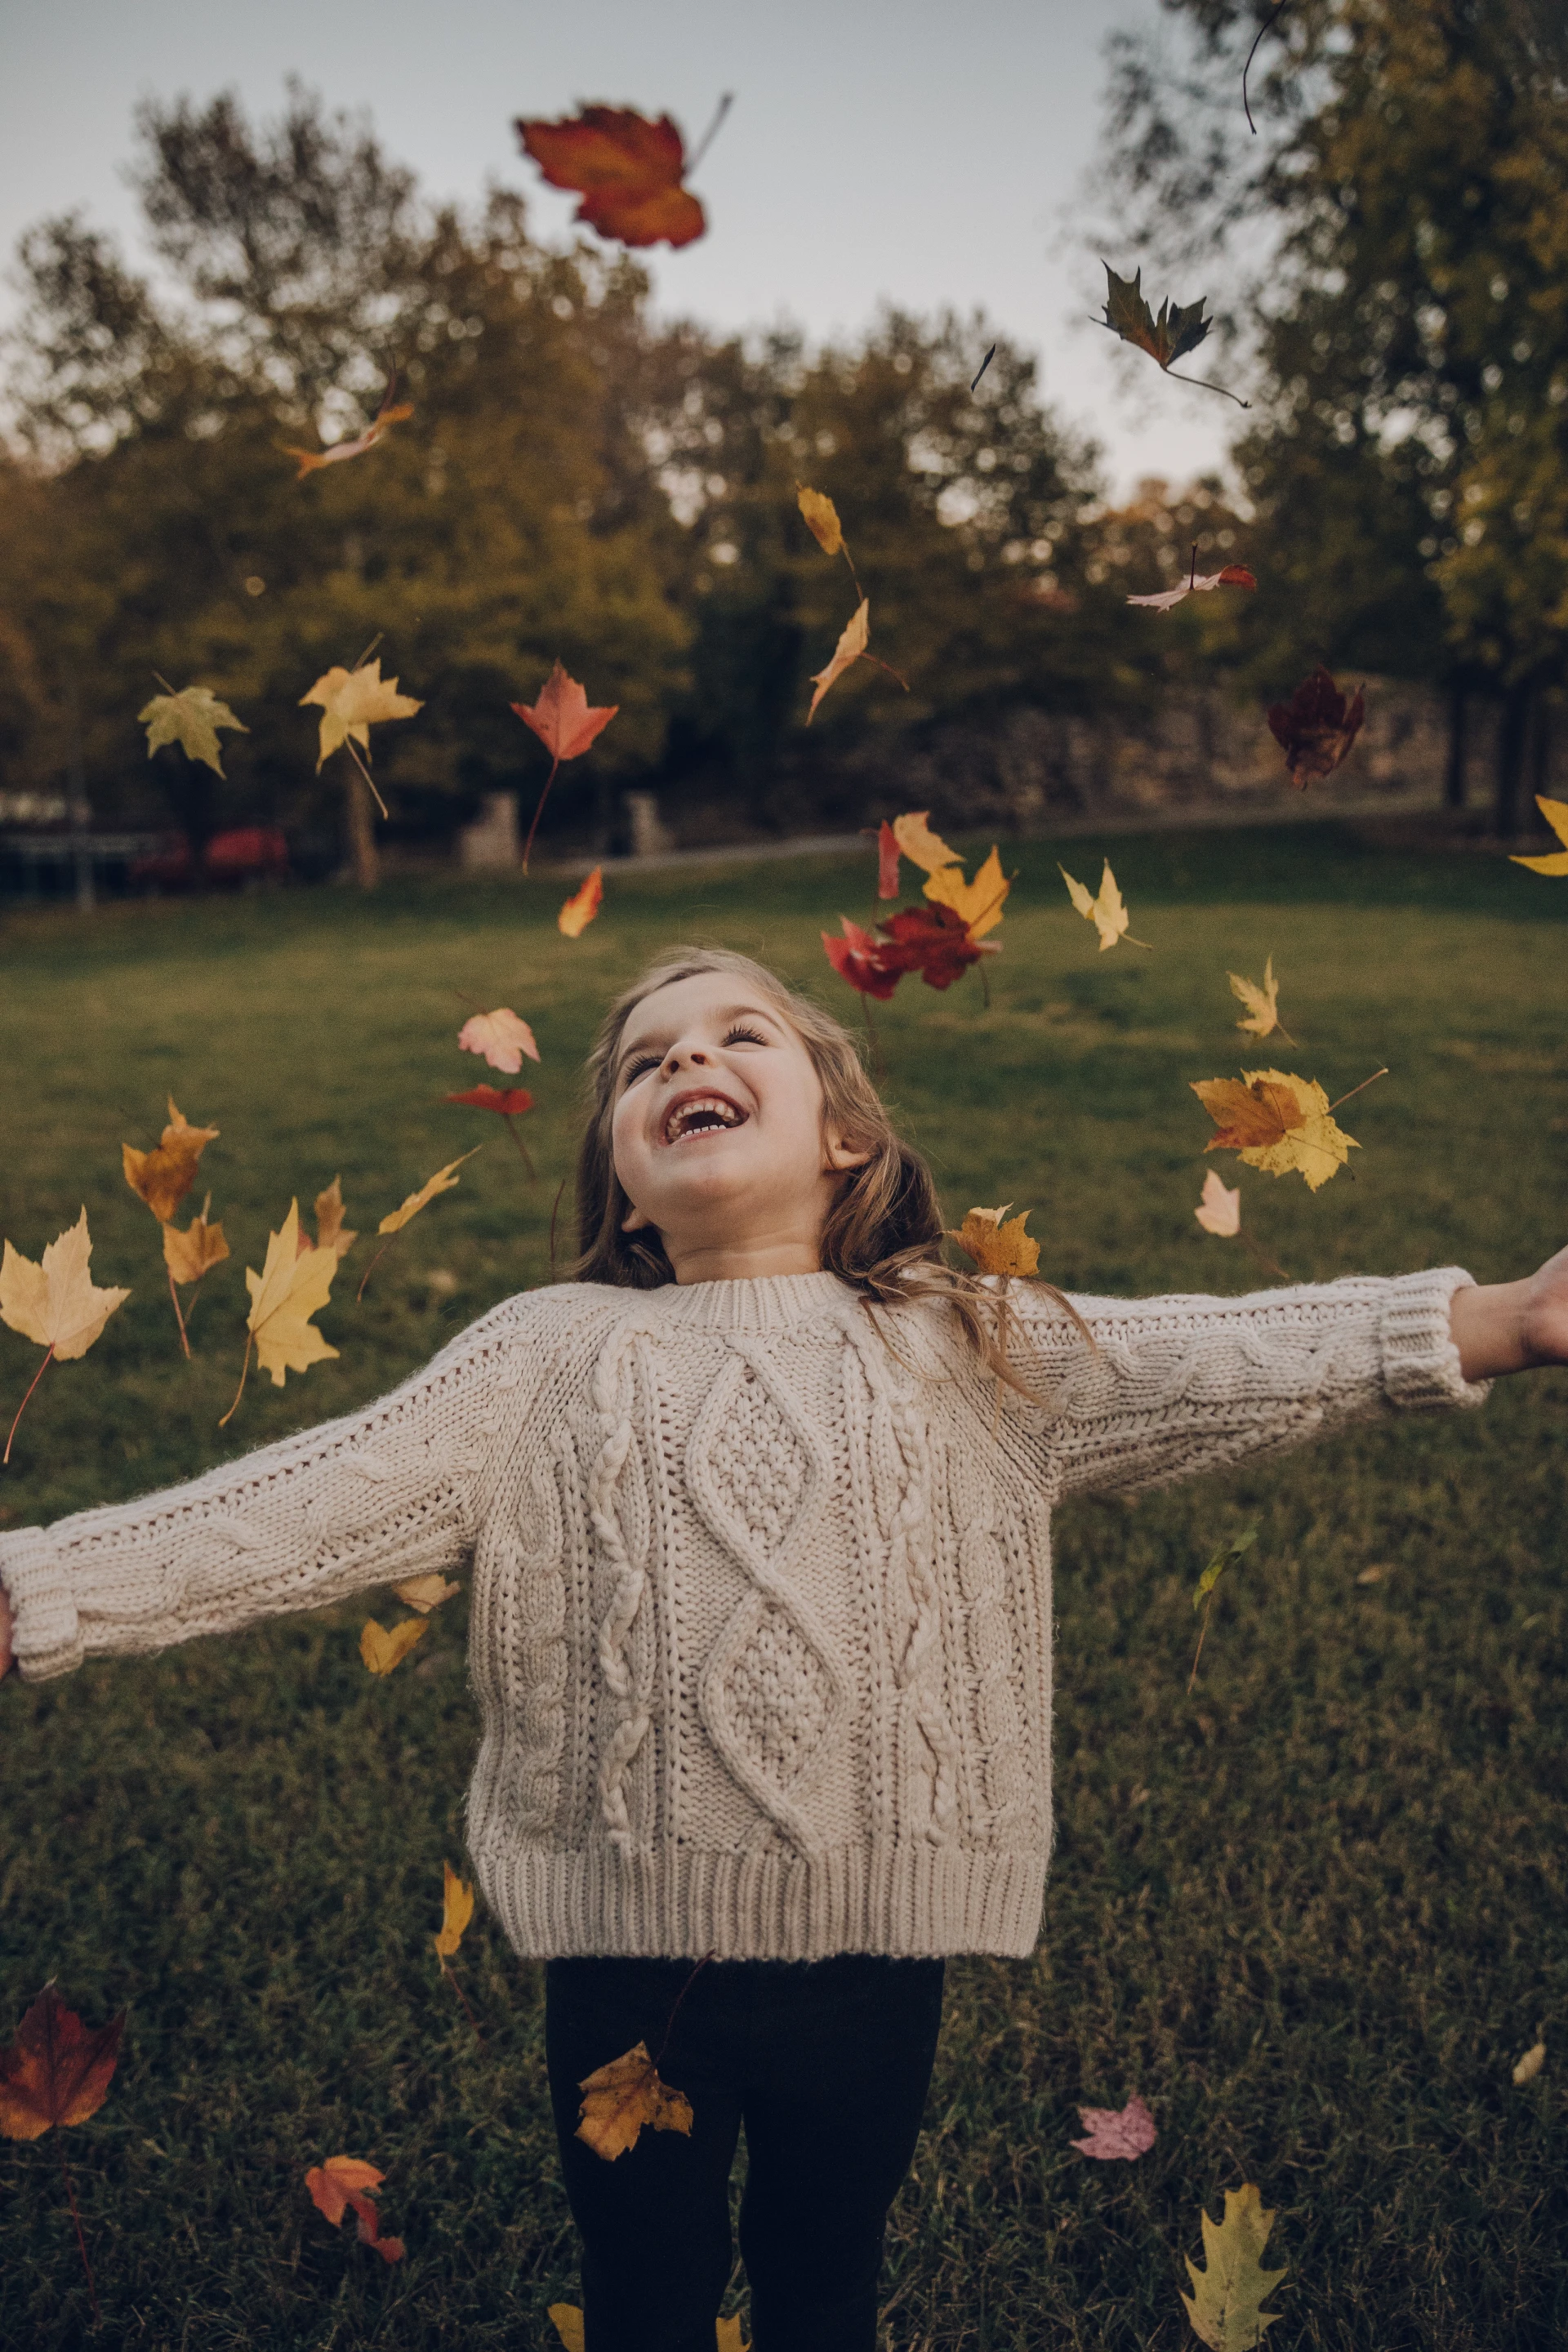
[1126, 2131]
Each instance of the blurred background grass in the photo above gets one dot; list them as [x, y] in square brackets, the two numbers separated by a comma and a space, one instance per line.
[1312, 1912]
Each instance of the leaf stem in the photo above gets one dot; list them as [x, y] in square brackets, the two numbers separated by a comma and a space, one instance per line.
[380, 632]
[709, 136]
[450, 1975]
[22, 1408]
[164, 682]
[353, 749]
[555, 1205]
[882, 665]
[1203, 1629]
[1205, 385]
[675, 2013]
[239, 1391]
[538, 812]
[1365, 1082]
[523, 1147]
[375, 1261]
[1267, 27]
[175, 1297]
[81, 2239]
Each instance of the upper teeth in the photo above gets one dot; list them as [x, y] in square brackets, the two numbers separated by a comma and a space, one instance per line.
[682, 1118]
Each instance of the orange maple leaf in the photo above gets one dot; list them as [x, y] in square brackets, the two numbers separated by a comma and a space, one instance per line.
[163, 1177]
[627, 169]
[341, 2182]
[620, 2098]
[57, 2071]
[565, 725]
[581, 907]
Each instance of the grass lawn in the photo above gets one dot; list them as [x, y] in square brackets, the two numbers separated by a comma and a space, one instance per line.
[1313, 1913]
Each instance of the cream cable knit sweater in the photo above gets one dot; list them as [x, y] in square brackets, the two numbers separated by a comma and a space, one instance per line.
[762, 1590]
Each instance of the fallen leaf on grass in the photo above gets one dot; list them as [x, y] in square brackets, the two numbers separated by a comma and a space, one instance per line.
[581, 907]
[1225, 2306]
[1530, 2065]
[1126, 2132]
[566, 725]
[190, 718]
[501, 1037]
[627, 169]
[997, 1242]
[1262, 1003]
[457, 1910]
[1234, 575]
[620, 2098]
[1203, 1597]
[1276, 1122]
[1374, 1574]
[568, 2319]
[57, 2071]
[1317, 727]
[1556, 861]
[443, 1180]
[352, 702]
[1105, 911]
[55, 1304]
[426, 1593]
[162, 1177]
[1219, 1210]
[341, 2182]
[382, 1650]
[338, 452]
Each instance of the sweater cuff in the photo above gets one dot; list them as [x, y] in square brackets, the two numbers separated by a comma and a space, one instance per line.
[46, 1632]
[1420, 1360]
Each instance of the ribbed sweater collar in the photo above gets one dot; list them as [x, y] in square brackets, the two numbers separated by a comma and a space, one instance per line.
[771, 1304]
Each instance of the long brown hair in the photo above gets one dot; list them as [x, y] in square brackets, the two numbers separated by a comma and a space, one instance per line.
[883, 1234]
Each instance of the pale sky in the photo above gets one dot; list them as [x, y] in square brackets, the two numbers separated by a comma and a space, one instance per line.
[918, 154]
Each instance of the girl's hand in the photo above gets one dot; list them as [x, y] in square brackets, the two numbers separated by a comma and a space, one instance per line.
[4, 1633]
[1512, 1327]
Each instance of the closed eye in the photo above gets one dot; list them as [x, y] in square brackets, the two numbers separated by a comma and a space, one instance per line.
[741, 1035]
[639, 1067]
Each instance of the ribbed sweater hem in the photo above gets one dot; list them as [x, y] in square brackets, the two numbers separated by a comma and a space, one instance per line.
[910, 1901]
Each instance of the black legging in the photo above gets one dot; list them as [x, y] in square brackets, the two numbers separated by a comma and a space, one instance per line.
[827, 2062]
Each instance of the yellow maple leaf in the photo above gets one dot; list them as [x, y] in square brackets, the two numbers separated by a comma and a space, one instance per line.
[426, 1593]
[620, 2098]
[821, 519]
[852, 644]
[56, 1304]
[442, 1182]
[1225, 2306]
[1262, 1003]
[193, 1252]
[978, 902]
[1219, 1210]
[1276, 1122]
[382, 1650]
[163, 1177]
[1557, 815]
[998, 1247]
[284, 1295]
[457, 1910]
[920, 846]
[1106, 911]
[190, 718]
[351, 703]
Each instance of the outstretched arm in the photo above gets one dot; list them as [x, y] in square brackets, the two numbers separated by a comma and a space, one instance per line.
[390, 1492]
[1513, 1327]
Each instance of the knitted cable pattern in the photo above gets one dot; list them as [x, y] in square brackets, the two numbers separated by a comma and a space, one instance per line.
[629, 1690]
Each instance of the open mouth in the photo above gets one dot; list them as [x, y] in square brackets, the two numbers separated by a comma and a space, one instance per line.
[701, 1115]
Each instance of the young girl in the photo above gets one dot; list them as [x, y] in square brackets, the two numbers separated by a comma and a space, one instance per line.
[757, 1511]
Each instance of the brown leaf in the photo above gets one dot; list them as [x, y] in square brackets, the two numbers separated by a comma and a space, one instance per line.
[1317, 727]
[57, 2071]
[163, 1177]
[623, 2096]
[998, 1247]
[627, 169]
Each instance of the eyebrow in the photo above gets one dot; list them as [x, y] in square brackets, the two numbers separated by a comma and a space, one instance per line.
[725, 1012]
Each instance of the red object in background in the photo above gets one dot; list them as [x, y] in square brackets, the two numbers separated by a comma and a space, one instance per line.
[236, 855]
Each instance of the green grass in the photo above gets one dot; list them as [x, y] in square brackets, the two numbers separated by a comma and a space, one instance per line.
[1313, 1913]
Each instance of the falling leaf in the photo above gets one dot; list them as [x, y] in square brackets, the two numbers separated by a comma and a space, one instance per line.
[353, 702]
[1234, 575]
[569, 2326]
[1179, 329]
[501, 1037]
[457, 1910]
[627, 169]
[510, 1101]
[1126, 2131]
[997, 1247]
[1106, 911]
[1556, 861]
[859, 958]
[821, 519]
[1226, 1557]
[935, 941]
[887, 862]
[385, 417]
[193, 1252]
[190, 718]
[426, 1593]
[284, 1295]
[1530, 2065]
[332, 1234]
[1225, 2307]
[1276, 1122]
[341, 2182]
[443, 1180]
[163, 1177]
[57, 2071]
[382, 1650]
[1219, 1210]
[1262, 1003]
[623, 2096]
[54, 1305]
[566, 725]
[581, 907]
[851, 645]
[1317, 727]
[920, 846]
[978, 903]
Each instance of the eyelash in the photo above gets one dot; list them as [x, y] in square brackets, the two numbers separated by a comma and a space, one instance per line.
[644, 1061]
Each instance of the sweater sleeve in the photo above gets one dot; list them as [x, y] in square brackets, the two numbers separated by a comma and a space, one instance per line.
[1175, 1386]
[383, 1494]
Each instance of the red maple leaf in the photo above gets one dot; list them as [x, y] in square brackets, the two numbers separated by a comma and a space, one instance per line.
[861, 957]
[626, 169]
[339, 2185]
[933, 941]
[510, 1102]
[1317, 727]
[565, 725]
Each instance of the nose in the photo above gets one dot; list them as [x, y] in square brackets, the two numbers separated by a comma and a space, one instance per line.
[682, 1053]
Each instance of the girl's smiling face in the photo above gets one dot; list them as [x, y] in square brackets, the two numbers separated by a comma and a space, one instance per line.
[717, 1132]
